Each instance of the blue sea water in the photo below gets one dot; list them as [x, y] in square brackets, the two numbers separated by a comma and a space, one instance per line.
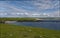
[48, 25]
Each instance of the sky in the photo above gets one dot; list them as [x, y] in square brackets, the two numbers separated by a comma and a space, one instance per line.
[33, 8]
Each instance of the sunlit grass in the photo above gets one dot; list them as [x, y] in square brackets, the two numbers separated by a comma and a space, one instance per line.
[16, 19]
[14, 31]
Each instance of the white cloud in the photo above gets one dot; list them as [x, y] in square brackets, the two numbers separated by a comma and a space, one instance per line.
[54, 14]
[3, 14]
[10, 10]
[46, 4]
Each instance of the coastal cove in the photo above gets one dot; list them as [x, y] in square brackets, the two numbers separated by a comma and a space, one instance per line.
[55, 25]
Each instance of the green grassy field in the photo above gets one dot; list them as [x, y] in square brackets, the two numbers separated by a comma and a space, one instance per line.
[16, 19]
[33, 19]
[14, 31]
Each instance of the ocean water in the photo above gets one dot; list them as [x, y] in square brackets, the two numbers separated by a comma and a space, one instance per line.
[48, 25]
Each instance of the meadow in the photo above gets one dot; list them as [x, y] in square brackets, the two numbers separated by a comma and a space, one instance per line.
[28, 18]
[14, 31]
[16, 19]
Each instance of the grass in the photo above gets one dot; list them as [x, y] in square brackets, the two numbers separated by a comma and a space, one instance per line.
[14, 31]
[16, 19]
[27, 19]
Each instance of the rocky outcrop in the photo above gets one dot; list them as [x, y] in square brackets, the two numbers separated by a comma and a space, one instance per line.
[2, 21]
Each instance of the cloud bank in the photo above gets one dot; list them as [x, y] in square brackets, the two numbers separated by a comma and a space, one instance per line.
[37, 8]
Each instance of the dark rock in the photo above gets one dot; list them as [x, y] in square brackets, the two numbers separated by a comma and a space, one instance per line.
[2, 21]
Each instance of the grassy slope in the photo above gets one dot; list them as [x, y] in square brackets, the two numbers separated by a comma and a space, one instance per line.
[13, 31]
[33, 19]
[16, 19]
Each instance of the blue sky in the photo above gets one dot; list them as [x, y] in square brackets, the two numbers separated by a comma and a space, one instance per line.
[37, 8]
